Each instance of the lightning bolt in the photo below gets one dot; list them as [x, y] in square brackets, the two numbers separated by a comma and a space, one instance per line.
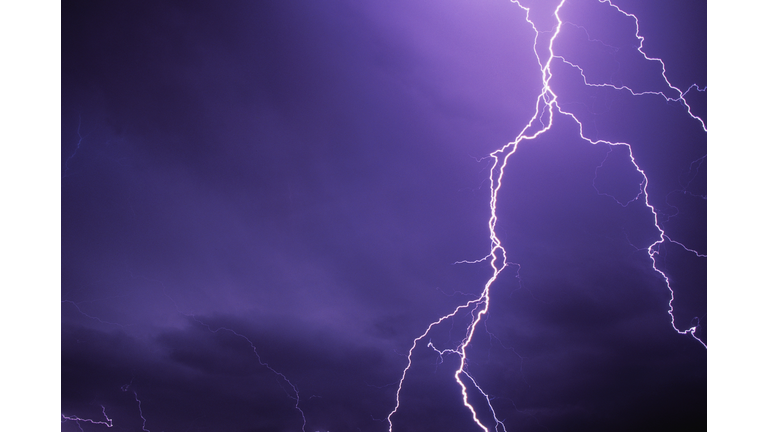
[546, 110]
[77, 306]
[294, 394]
[125, 388]
[107, 423]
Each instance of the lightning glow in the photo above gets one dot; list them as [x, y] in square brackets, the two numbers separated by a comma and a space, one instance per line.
[546, 110]
[479, 403]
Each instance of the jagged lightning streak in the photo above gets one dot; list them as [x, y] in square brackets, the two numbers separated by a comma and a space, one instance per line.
[294, 396]
[141, 414]
[540, 122]
[653, 249]
[138, 401]
[107, 423]
[77, 306]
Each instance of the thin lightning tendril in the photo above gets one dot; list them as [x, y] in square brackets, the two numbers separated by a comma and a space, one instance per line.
[80, 138]
[136, 398]
[141, 414]
[294, 396]
[541, 122]
[107, 423]
[77, 306]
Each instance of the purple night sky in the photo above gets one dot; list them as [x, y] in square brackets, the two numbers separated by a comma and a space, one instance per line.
[264, 203]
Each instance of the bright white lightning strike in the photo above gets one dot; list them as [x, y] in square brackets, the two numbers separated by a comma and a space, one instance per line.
[540, 122]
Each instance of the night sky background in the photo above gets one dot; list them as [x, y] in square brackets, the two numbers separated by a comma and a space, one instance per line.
[260, 191]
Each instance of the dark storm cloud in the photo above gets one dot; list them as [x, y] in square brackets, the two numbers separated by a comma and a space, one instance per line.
[303, 176]
[217, 376]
